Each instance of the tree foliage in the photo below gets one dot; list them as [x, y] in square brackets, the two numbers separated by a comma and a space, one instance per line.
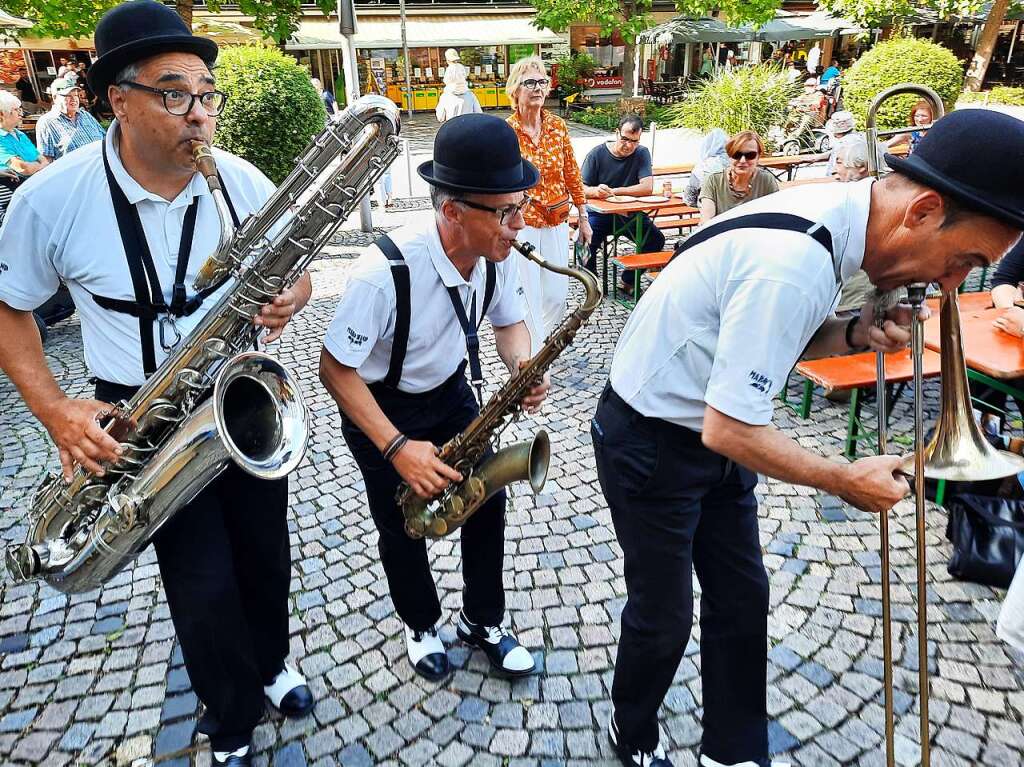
[276, 19]
[272, 109]
[879, 13]
[901, 60]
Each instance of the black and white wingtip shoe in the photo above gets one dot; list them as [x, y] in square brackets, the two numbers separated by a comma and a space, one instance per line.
[238, 758]
[427, 654]
[635, 757]
[501, 648]
[707, 761]
[289, 693]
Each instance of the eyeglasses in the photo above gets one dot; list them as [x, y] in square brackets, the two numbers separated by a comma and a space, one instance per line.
[628, 140]
[751, 156]
[532, 84]
[504, 214]
[179, 103]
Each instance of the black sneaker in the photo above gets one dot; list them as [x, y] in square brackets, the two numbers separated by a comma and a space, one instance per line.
[501, 648]
[634, 757]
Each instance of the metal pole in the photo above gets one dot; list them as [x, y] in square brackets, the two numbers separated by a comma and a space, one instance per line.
[352, 92]
[881, 306]
[408, 163]
[405, 53]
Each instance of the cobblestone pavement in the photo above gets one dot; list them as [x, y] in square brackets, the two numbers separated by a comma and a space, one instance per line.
[97, 677]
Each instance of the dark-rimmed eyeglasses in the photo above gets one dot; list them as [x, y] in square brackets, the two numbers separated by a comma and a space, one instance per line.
[533, 84]
[505, 214]
[179, 103]
[749, 156]
[628, 140]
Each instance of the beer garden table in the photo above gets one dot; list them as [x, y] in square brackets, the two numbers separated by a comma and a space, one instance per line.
[629, 210]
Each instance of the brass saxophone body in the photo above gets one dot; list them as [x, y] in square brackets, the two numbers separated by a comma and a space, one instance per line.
[213, 400]
[482, 478]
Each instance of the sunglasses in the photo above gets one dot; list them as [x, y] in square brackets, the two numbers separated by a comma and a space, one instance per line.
[750, 156]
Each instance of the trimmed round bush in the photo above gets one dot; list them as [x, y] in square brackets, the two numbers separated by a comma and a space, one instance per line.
[749, 98]
[272, 109]
[901, 60]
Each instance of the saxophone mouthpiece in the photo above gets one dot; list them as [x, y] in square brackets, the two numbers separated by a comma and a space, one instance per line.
[205, 164]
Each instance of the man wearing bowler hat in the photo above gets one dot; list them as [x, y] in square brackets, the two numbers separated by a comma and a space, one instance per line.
[683, 427]
[128, 241]
[393, 359]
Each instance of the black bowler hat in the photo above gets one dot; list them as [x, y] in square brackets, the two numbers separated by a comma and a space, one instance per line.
[478, 153]
[136, 30]
[976, 156]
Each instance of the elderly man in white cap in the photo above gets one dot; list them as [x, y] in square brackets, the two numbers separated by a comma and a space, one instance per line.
[66, 127]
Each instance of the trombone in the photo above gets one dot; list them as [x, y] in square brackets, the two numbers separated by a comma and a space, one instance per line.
[957, 451]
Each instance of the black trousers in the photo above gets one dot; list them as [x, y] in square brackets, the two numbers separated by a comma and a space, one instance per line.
[677, 506]
[226, 569]
[602, 224]
[437, 416]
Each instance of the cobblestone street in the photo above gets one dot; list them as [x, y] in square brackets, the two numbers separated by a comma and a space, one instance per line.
[97, 678]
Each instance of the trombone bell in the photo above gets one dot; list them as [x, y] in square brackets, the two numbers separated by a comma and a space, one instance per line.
[958, 450]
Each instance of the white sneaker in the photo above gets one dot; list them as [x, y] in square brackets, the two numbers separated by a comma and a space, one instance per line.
[427, 653]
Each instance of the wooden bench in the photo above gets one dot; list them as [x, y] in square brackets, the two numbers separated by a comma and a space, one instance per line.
[638, 262]
[685, 222]
[855, 373]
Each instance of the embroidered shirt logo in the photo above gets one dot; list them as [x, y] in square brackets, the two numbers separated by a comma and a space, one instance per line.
[760, 381]
[354, 338]
[520, 291]
[3, 267]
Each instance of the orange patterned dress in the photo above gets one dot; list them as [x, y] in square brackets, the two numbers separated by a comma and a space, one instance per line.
[560, 180]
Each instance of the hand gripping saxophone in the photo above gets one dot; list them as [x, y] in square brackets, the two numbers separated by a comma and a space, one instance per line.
[213, 400]
[528, 460]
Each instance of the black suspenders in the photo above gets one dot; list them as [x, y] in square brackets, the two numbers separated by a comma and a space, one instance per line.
[149, 304]
[403, 315]
[784, 221]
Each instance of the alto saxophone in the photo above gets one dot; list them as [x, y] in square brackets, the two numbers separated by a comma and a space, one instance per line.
[213, 400]
[439, 516]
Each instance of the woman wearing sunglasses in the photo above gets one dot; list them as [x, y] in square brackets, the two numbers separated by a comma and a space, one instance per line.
[741, 181]
[544, 141]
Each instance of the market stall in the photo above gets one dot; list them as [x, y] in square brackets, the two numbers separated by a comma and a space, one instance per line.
[488, 44]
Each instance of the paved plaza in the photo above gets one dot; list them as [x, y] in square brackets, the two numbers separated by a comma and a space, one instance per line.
[97, 678]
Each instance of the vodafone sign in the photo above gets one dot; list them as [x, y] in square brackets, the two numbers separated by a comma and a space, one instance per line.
[604, 82]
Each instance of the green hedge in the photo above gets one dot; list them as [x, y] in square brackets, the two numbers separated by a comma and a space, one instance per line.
[998, 95]
[901, 60]
[750, 98]
[272, 109]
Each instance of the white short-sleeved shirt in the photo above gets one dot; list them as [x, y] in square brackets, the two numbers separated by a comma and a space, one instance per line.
[361, 334]
[61, 225]
[726, 321]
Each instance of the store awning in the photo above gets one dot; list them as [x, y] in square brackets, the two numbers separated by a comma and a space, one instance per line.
[7, 21]
[785, 26]
[423, 32]
[804, 26]
[685, 30]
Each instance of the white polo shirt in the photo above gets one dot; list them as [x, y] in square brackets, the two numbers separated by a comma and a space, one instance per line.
[361, 334]
[727, 320]
[61, 225]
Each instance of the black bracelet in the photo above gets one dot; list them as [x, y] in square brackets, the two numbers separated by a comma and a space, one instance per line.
[396, 444]
[849, 335]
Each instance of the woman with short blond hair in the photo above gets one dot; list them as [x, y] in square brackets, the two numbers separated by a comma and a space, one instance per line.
[544, 141]
[741, 181]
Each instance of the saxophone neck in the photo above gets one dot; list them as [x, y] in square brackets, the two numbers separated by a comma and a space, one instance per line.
[218, 262]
